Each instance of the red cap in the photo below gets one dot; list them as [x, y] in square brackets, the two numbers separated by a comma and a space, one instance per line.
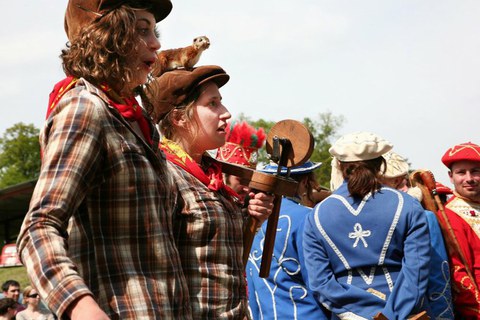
[463, 151]
[242, 144]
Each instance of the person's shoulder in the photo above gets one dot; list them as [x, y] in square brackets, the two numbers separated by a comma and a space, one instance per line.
[21, 315]
[84, 101]
[394, 193]
[293, 205]
[293, 209]
[177, 171]
[85, 93]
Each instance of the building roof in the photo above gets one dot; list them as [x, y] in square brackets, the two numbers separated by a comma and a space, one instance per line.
[14, 200]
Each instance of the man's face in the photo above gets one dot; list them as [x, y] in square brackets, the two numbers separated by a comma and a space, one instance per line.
[12, 292]
[465, 176]
[235, 184]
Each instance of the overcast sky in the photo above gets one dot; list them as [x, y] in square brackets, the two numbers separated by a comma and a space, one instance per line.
[407, 70]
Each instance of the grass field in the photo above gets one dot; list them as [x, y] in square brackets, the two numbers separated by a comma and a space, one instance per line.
[14, 273]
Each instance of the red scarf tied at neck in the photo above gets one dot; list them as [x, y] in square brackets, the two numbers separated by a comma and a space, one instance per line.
[212, 178]
[129, 109]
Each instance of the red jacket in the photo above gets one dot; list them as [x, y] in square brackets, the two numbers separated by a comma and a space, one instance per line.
[464, 218]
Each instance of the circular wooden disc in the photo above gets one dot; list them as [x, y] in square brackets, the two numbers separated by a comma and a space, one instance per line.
[299, 136]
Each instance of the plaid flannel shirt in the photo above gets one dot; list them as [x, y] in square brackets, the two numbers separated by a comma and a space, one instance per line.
[209, 233]
[99, 221]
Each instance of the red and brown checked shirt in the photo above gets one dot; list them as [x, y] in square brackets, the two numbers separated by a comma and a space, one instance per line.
[208, 228]
[464, 217]
[99, 221]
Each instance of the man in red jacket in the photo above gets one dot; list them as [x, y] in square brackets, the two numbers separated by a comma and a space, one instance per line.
[463, 214]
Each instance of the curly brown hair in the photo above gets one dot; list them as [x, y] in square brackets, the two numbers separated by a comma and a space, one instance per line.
[101, 51]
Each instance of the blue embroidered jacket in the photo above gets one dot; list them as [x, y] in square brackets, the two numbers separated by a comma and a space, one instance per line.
[369, 256]
[284, 294]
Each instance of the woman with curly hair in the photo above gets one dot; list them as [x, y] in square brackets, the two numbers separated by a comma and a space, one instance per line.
[97, 240]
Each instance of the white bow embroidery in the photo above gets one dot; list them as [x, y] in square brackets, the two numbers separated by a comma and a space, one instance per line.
[359, 234]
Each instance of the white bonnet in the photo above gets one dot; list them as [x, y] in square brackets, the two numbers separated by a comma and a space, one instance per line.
[396, 165]
[359, 146]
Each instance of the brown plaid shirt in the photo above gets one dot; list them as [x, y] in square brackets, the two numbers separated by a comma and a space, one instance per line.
[208, 228]
[99, 221]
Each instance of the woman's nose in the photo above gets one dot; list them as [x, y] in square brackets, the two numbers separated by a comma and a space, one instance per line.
[155, 44]
[226, 114]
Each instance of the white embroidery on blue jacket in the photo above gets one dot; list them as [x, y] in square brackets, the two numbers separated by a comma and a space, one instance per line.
[435, 296]
[368, 279]
[359, 234]
[255, 257]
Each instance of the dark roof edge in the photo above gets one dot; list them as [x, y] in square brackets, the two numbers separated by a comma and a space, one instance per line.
[17, 188]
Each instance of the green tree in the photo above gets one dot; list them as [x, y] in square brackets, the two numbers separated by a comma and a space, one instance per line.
[19, 154]
[324, 129]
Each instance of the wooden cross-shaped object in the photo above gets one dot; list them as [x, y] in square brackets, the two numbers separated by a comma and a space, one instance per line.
[289, 143]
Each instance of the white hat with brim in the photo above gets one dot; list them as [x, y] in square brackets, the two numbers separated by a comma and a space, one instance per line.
[359, 146]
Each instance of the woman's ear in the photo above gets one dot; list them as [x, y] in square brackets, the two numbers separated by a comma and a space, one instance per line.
[178, 118]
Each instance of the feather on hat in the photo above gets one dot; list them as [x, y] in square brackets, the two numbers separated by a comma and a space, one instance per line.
[243, 142]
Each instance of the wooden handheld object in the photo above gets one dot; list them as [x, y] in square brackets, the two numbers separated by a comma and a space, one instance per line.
[289, 143]
[419, 316]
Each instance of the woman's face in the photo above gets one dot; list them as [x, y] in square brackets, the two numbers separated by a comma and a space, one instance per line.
[211, 117]
[33, 297]
[147, 47]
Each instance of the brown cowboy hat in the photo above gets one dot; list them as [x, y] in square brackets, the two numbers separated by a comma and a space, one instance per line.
[80, 13]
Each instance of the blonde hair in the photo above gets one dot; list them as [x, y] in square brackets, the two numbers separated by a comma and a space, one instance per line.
[26, 293]
[167, 125]
[27, 290]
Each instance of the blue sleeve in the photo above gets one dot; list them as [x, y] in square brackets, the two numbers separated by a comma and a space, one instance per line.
[410, 287]
[337, 297]
[439, 290]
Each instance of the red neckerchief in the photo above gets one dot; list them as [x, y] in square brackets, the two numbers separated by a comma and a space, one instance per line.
[212, 179]
[131, 110]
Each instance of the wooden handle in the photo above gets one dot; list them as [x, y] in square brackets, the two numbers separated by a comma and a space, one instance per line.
[419, 316]
[380, 316]
[248, 235]
[270, 238]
